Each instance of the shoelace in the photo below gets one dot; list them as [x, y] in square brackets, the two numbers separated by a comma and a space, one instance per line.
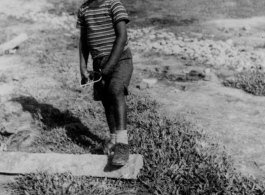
[121, 148]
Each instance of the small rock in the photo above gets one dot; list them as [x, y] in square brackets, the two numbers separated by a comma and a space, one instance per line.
[213, 77]
[230, 41]
[12, 51]
[150, 82]
[142, 85]
[207, 71]
[176, 91]
[15, 77]
[246, 28]
[176, 49]
[3, 147]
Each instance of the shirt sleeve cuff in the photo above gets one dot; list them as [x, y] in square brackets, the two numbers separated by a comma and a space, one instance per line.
[127, 21]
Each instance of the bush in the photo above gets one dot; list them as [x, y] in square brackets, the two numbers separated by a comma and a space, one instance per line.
[251, 82]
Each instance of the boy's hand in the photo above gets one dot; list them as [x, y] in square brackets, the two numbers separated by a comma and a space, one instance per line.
[105, 72]
[91, 75]
[84, 81]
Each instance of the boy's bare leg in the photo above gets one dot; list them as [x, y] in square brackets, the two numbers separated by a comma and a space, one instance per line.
[116, 112]
[120, 112]
[109, 112]
[120, 115]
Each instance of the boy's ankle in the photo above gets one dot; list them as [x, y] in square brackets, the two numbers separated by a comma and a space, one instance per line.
[122, 136]
[113, 138]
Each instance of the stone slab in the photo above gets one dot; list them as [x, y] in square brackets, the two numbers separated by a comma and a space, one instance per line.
[85, 164]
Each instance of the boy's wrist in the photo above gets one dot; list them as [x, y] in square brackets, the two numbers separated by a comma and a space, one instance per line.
[84, 74]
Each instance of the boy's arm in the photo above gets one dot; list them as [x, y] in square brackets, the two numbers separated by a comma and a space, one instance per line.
[83, 53]
[118, 47]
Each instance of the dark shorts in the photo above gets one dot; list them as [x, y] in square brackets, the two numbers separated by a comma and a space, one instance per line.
[119, 80]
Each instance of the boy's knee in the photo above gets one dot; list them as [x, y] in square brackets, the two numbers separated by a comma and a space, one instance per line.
[115, 89]
[115, 93]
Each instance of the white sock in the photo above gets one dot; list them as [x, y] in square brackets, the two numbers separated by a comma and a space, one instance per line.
[113, 138]
[122, 136]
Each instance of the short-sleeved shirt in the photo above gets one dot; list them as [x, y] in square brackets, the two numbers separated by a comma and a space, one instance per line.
[99, 25]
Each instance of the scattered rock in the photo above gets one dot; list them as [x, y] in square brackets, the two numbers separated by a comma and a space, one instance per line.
[176, 91]
[246, 28]
[150, 82]
[207, 71]
[194, 75]
[3, 147]
[212, 77]
[225, 72]
[142, 85]
[210, 52]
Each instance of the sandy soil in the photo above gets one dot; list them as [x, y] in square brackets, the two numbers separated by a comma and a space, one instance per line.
[234, 118]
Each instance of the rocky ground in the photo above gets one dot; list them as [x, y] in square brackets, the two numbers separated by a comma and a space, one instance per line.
[233, 118]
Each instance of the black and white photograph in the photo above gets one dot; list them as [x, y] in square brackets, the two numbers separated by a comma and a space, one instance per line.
[132, 97]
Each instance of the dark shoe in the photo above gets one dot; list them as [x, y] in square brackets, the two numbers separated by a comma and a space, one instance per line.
[121, 154]
[108, 148]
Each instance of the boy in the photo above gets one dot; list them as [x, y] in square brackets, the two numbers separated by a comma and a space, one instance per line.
[103, 35]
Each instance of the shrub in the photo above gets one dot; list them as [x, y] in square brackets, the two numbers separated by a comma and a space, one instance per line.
[251, 82]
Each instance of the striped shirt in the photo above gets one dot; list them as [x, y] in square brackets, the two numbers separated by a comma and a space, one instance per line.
[99, 25]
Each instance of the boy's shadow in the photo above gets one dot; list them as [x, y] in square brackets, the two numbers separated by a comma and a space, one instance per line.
[52, 117]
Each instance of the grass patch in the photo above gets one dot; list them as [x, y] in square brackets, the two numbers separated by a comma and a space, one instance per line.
[251, 82]
[66, 184]
[178, 159]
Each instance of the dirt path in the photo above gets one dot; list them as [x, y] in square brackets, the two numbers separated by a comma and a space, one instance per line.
[234, 118]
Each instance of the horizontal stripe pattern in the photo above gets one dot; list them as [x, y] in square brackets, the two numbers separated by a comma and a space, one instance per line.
[99, 25]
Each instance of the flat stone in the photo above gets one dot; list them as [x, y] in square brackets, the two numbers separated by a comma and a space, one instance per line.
[150, 82]
[85, 164]
[142, 85]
